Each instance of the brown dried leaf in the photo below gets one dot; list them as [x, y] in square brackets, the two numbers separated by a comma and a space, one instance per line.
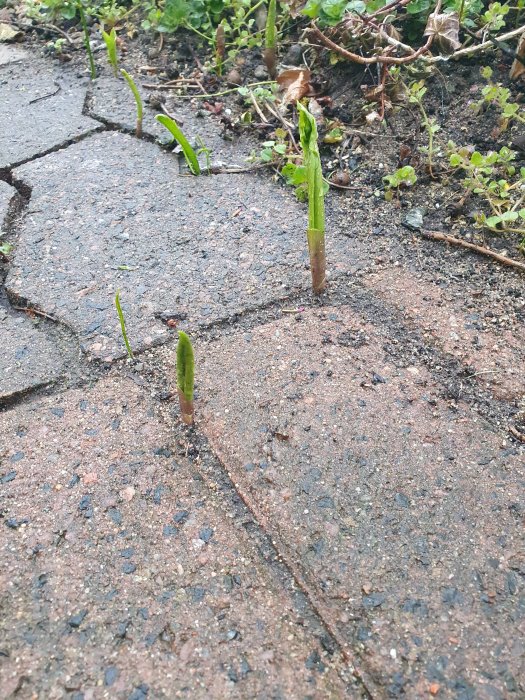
[295, 84]
[517, 67]
[444, 29]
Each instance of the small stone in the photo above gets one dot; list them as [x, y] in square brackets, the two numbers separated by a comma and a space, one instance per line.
[413, 219]
[15, 523]
[8, 477]
[401, 500]
[294, 55]
[181, 516]
[206, 534]
[127, 553]
[76, 620]
[128, 567]
[110, 675]
[86, 507]
[261, 73]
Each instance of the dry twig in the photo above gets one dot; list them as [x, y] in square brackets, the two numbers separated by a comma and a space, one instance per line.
[503, 259]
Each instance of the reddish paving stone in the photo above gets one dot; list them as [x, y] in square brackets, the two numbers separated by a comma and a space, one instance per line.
[123, 576]
[459, 325]
[403, 511]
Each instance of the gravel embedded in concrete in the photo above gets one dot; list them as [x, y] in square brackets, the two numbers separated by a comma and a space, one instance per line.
[107, 590]
[34, 119]
[403, 510]
[111, 212]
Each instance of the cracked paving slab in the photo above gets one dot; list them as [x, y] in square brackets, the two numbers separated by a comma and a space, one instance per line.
[111, 101]
[28, 358]
[111, 212]
[44, 120]
[125, 577]
[6, 196]
[402, 510]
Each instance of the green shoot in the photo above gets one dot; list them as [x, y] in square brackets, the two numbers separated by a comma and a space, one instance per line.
[185, 377]
[403, 177]
[177, 134]
[111, 44]
[92, 69]
[123, 325]
[138, 100]
[270, 41]
[220, 48]
[316, 192]
[416, 92]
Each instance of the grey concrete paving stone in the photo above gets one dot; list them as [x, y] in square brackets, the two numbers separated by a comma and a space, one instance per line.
[6, 195]
[31, 128]
[27, 358]
[112, 101]
[202, 248]
[123, 576]
[402, 509]
[11, 54]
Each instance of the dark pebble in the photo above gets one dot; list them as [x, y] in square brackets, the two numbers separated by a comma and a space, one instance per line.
[314, 663]
[86, 507]
[197, 593]
[374, 600]
[169, 530]
[115, 515]
[181, 516]
[17, 457]
[127, 553]
[110, 675]
[162, 452]
[402, 500]
[143, 612]
[76, 620]
[75, 479]
[140, 693]
[206, 534]
[8, 477]
[15, 523]
[128, 567]
[325, 502]
[59, 412]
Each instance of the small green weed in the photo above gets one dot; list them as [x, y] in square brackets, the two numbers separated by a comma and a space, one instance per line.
[314, 179]
[111, 45]
[496, 94]
[404, 177]
[138, 101]
[175, 131]
[123, 325]
[185, 377]
[270, 50]
[416, 92]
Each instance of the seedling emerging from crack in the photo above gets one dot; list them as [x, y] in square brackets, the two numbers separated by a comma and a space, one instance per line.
[270, 40]
[314, 179]
[138, 100]
[189, 153]
[92, 69]
[185, 377]
[123, 325]
[111, 45]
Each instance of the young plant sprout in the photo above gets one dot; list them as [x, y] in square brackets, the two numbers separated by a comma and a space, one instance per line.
[123, 325]
[111, 45]
[92, 69]
[185, 377]
[220, 48]
[270, 41]
[138, 100]
[316, 192]
[175, 131]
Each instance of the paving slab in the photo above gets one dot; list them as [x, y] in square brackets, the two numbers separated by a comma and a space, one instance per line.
[6, 195]
[28, 359]
[402, 509]
[11, 54]
[124, 577]
[111, 212]
[112, 102]
[463, 323]
[47, 102]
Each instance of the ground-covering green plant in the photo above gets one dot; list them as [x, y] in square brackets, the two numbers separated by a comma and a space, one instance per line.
[416, 92]
[403, 177]
[123, 325]
[499, 96]
[185, 377]
[5, 249]
[176, 132]
[110, 39]
[316, 215]
[87, 43]
[270, 40]
[495, 179]
[138, 101]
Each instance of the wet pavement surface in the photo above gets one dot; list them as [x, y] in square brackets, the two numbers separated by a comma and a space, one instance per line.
[346, 518]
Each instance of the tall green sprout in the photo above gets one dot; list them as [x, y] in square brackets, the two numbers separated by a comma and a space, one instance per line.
[175, 131]
[138, 100]
[123, 325]
[92, 69]
[185, 377]
[270, 41]
[314, 179]
[111, 45]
